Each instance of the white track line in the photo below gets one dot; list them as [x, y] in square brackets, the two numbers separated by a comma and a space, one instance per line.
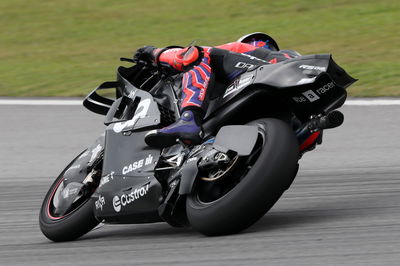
[40, 102]
[352, 102]
[371, 102]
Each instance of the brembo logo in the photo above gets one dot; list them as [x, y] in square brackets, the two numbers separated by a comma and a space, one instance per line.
[129, 198]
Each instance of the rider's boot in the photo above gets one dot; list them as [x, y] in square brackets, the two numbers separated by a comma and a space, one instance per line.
[187, 129]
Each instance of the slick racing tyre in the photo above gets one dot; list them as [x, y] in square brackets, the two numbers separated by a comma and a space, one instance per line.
[252, 185]
[76, 222]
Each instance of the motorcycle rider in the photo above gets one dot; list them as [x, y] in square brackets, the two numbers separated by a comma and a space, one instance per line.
[202, 67]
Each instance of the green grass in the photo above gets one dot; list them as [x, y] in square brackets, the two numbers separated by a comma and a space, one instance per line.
[66, 48]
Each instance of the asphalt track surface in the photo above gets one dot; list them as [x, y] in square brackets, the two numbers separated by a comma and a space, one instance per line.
[342, 209]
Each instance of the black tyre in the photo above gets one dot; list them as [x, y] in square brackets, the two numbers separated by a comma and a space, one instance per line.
[76, 222]
[242, 197]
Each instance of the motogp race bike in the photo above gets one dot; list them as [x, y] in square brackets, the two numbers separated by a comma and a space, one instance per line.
[254, 133]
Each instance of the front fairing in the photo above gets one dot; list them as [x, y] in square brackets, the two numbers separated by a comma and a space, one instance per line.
[129, 191]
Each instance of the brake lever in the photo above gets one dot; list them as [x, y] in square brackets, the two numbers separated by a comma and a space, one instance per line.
[124, 59]
[138, 62]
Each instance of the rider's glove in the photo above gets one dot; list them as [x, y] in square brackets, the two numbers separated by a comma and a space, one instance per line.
[146, 54]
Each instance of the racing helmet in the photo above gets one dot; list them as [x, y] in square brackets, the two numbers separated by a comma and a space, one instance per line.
[261, 40]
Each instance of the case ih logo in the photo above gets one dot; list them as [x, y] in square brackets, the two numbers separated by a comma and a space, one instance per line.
[129, 198]
[137, 165]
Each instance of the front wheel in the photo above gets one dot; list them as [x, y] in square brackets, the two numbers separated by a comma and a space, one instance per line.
[236, 201]
[77, 221]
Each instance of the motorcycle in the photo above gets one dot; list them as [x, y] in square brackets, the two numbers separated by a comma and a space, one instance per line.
[254, 133]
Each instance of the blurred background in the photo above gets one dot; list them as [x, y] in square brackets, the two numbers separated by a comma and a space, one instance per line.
[67, 48]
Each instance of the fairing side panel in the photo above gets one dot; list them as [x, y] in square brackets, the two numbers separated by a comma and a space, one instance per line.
[128, 192]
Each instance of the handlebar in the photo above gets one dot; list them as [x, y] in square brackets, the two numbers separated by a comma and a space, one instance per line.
[163, 71]
[130, 60]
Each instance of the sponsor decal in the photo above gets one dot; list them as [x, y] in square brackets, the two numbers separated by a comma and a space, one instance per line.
[141, 112]
[238, 84]
[244, 65]
[310, 95]
[86, 153]
[73, 167]
[116, 204]
[192, 159]
[137, 165]
[255, 58]
[132, 94]
[95, 152]
[126, 199]
[68, 192]
[99, 203]
[232, 88]
[299, 99]
[105, 179]
[325, 88]
[308, 67]
[305, 80]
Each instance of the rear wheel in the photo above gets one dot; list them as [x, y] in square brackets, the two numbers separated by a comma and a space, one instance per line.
[77, 221]
[249, 186]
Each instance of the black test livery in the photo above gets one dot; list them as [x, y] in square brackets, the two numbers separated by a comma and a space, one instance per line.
[248, 158]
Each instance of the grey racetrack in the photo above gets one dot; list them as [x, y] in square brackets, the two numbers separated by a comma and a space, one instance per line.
[342, 209]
